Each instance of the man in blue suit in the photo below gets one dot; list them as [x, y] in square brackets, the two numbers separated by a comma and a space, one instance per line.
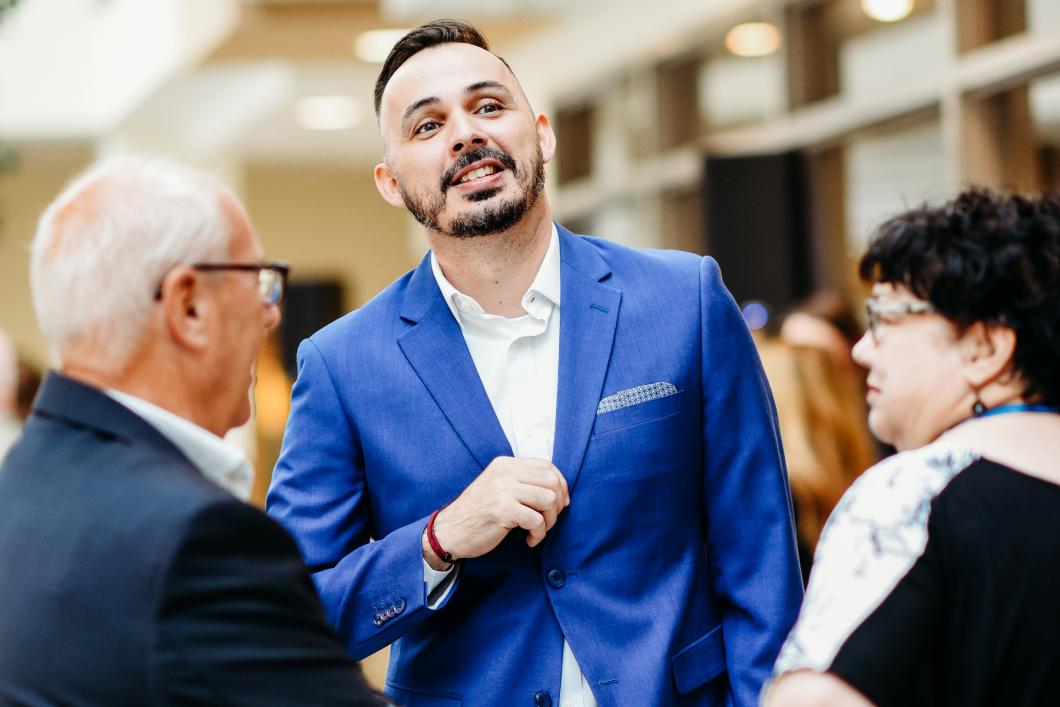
[544, 466]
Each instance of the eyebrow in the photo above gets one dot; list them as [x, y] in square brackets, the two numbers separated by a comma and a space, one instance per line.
[473, 88]
[495, 85]
[416, 106]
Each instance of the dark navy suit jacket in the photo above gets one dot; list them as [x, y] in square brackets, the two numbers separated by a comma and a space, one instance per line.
[128, 578]
[672, 574]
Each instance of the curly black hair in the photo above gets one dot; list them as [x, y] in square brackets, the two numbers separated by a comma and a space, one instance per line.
[984, 257]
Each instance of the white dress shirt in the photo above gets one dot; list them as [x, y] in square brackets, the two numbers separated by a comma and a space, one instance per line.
[222, 463]
[518, 362]
[9, 431]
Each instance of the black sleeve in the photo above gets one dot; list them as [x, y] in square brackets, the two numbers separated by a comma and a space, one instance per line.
[892, 657]
[240, 623]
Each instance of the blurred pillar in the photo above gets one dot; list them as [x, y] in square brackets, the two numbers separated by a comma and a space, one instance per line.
[812, 49]
[1049, 161]
[980, 22]
[997, 134]
[833, 260]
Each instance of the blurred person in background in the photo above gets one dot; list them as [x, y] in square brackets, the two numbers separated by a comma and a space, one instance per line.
[937, 577]
[10, 424]
[825, 322]
[826, 443]
[607, 400]
[131, 573]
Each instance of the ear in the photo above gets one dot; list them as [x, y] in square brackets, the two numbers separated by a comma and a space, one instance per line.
[987, 352]
[386, 183]
[546, 138]
[185, 308]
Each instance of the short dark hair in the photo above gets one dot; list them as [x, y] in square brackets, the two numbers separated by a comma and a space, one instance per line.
[443, 31]
[984, 257]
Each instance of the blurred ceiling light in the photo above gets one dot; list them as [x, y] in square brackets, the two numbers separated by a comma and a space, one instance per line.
[753, 39]
[372, 46]
[327, 113]
[887, 10]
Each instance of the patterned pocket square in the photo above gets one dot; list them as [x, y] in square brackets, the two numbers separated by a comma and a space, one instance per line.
[635, 396]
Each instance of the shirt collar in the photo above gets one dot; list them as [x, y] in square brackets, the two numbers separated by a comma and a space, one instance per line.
[546, 285]
[215, 459]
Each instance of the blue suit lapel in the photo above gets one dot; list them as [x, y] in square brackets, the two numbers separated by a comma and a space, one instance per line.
[436, 350]
[588, 315]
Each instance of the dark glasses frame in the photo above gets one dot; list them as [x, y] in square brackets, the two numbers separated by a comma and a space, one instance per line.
[278, 272]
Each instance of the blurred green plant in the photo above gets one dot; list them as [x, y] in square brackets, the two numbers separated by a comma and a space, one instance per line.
[7, 6]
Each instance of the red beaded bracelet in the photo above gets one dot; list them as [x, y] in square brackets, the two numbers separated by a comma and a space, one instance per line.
[432, 539]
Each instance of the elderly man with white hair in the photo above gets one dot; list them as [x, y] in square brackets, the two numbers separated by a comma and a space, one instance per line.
[129, 572]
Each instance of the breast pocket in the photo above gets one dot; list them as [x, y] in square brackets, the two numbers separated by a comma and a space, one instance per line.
[639, 414]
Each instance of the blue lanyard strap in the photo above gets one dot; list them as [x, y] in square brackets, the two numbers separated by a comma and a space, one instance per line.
[1019, 407]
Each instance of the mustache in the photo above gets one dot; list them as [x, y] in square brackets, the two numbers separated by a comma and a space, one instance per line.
[469, 158]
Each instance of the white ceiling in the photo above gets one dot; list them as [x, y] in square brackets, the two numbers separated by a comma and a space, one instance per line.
[202, 78]
[278, 137]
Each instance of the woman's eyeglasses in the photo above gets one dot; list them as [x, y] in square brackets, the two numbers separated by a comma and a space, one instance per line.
[880, 311]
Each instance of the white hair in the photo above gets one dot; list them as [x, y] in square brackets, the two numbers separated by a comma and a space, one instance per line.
[105, 243]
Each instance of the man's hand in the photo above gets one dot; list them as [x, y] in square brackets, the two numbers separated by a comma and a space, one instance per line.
[509, 493]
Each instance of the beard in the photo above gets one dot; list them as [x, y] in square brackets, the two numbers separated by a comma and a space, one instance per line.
[491, 217]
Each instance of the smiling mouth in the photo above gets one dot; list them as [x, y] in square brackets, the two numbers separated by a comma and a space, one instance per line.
[479, 173]
[482, 163]
[471, 176]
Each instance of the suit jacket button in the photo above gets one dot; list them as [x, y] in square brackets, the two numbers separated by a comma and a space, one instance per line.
[379, 620]
[543, 699]
[399, 606]
[557, 579]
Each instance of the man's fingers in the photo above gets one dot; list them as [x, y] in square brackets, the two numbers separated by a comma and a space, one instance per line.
[550, 518]
[544, 474]
[533, 522]
[546, 501]
[537, 497]
[529, 470]
[560, 485]
[551, 514]
[533, 470]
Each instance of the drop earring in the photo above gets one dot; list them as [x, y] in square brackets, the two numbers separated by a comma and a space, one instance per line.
[978, 409]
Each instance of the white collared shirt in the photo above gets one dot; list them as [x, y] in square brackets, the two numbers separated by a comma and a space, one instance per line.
[9, 431]
[518, 362]
[222, 463]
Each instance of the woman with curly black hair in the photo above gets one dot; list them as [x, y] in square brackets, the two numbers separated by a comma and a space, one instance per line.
[937, 577]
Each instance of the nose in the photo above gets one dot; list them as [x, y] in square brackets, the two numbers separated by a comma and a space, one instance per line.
[466, 133]
[863, 349]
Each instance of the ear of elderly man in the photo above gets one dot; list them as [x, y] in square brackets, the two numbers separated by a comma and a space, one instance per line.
[131, 570]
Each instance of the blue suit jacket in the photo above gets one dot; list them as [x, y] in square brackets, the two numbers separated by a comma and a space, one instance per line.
[672, 574]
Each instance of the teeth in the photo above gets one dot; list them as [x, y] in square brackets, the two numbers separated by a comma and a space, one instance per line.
[477, 173]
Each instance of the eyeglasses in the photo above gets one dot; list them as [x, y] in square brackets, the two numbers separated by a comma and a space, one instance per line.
[881, 310]
[272, 277]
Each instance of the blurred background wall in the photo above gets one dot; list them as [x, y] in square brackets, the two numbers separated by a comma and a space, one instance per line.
[773, 134]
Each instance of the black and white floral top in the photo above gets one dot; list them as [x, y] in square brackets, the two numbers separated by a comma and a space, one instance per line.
[937, 582]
